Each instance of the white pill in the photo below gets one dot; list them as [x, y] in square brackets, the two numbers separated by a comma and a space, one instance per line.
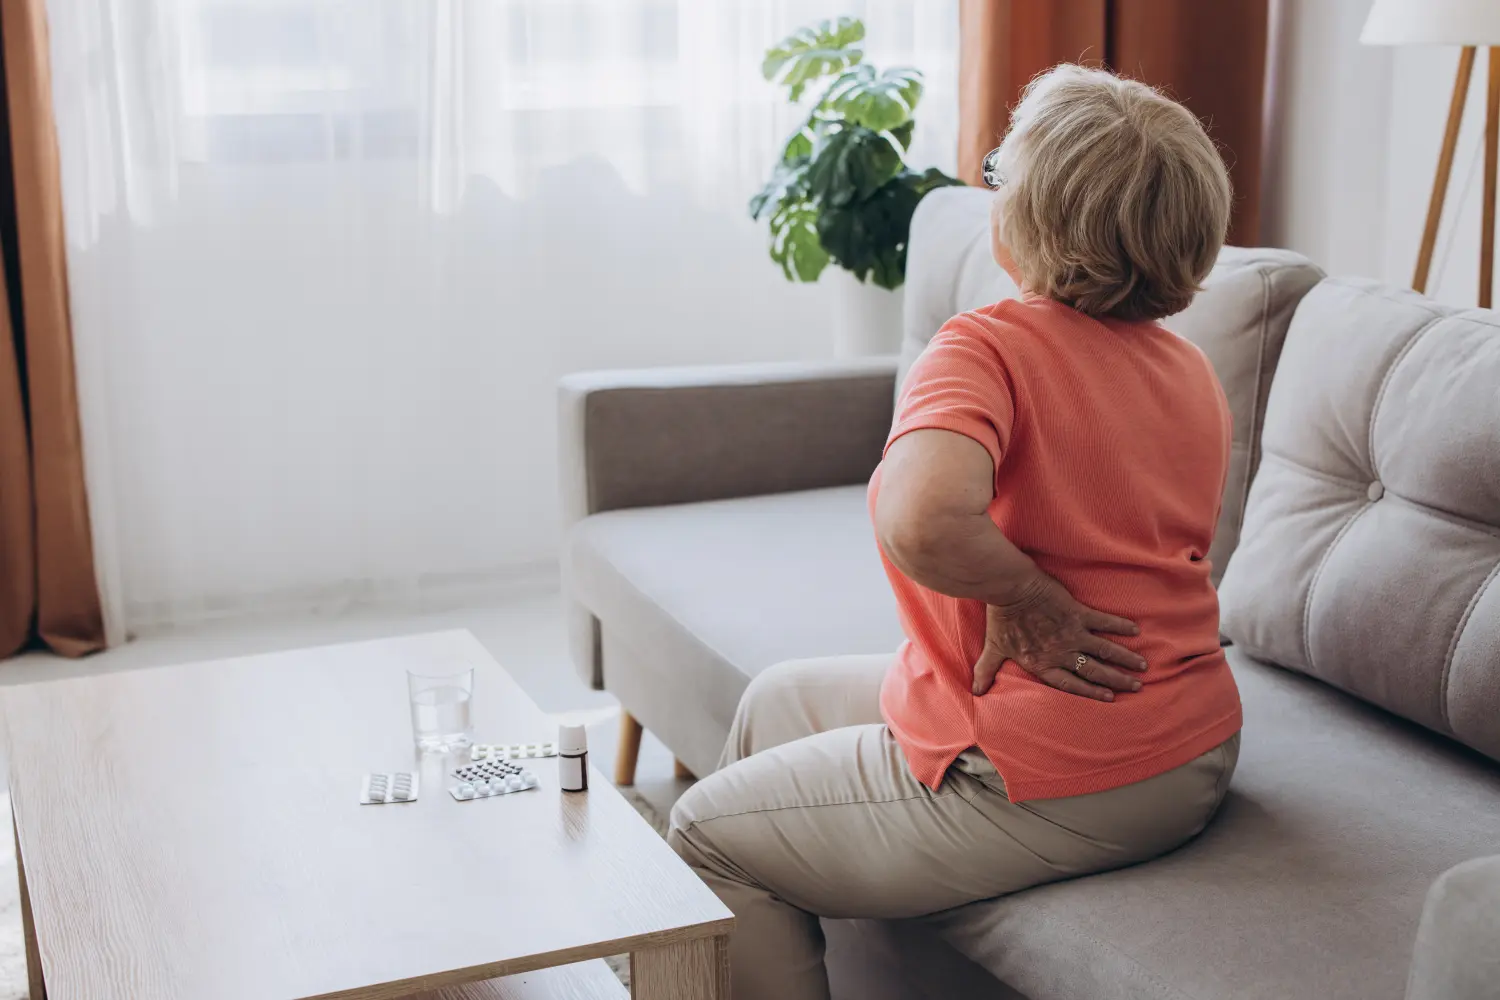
[466, 791]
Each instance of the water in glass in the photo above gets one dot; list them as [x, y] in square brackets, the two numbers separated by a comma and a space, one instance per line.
[440, 710]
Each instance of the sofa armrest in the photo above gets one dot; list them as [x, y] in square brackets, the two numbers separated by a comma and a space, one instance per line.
[1457, 957]
[674, 435]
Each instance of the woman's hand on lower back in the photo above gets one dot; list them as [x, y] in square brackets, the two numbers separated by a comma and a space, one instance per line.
[1053, 637]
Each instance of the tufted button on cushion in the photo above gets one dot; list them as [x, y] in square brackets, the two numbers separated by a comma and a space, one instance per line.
[1396, 601]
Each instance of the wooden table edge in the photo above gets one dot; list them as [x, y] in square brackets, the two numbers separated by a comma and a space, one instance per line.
[398, 989]
[36, 982]
[591, 980]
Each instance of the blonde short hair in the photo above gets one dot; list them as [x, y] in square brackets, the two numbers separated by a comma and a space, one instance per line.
[1116, 202]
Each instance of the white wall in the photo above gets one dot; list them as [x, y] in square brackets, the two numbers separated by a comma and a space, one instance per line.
[1326, 140]
[1353, 142]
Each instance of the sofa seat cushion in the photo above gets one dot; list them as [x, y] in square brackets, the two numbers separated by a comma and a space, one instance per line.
[716, 592]
[1310, 882]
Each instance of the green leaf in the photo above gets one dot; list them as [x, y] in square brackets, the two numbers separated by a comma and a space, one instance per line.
[930, 180]
[881, 101]
[902, 133]
[849, 163]
[760, 200]
[794, 241]
[788, 181]
[868, 237]
[808, 54]
[799, 146]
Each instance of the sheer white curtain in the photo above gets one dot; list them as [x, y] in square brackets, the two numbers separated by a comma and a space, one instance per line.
[329, 257]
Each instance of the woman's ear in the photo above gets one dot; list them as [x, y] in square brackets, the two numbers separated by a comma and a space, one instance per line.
[998, 248]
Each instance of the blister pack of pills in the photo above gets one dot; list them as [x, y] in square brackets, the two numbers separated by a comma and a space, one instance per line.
[511, 751]
[378, 789]
[484, 770]
[465, 790]
[490, 777]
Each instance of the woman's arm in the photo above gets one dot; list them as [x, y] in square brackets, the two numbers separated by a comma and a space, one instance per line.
[932, 522]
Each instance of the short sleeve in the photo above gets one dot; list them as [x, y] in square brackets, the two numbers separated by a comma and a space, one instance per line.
[961, 384]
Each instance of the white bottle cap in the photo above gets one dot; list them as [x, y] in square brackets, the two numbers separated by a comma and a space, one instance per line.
[572, 739]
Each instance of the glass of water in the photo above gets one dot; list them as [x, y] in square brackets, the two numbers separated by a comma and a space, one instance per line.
[440, 696]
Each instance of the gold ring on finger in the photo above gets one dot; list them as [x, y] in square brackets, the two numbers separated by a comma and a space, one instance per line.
[1080, 663]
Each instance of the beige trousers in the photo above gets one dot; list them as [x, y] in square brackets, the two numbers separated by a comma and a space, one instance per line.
[815, 814]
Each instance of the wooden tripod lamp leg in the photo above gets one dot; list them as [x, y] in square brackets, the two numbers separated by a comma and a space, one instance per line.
[1487, 218]
[1445, 164]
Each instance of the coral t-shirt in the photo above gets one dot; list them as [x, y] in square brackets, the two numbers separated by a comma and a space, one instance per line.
[1110, 443]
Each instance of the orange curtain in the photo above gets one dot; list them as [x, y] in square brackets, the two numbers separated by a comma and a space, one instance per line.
[47, 585]
[1211, 56]
[1002, 45]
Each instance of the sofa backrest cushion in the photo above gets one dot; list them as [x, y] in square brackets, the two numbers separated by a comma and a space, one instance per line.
[1371, 542]
[949, 267]
[1239, 319]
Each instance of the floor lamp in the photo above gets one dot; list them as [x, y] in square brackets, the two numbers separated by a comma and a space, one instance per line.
[1472, 24]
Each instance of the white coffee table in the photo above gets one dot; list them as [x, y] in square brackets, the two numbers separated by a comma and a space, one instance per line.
[193, 831]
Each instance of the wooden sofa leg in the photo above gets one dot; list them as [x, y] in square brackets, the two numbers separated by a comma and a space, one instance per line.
[681, 772]
[630, 749]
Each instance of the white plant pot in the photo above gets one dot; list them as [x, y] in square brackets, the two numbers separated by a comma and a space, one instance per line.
[866, 318]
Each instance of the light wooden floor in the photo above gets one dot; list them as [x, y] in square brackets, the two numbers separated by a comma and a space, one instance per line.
[525, 634]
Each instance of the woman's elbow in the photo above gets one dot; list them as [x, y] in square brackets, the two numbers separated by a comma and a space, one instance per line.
[909, 539]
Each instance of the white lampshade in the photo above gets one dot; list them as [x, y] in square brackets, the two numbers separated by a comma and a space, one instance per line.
[1433, 22]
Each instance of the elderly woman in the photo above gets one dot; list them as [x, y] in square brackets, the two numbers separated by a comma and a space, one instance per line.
[1046, 500]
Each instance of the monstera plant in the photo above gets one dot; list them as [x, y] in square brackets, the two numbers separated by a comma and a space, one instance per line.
[841, 191]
